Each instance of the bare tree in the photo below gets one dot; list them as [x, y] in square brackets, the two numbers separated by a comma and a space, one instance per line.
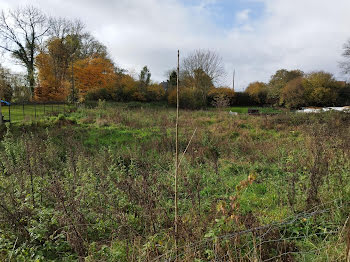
[90, 46]
[83, 44]
[345, 65]
[208, 61]
[62, 27]
[21, 31]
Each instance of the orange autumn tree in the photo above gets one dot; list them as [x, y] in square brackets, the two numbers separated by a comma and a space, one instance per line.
[52, 65]
[93, 73]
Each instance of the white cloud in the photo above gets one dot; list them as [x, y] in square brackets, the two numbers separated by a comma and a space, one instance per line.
[243, 15]
[303, 34]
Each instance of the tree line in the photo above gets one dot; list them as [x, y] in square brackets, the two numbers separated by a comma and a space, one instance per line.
[295, 89]
[64, 62]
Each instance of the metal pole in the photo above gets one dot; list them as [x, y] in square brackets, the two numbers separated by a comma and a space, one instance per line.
[0, 114]
[10, 113]
[177, 153]
[35, 110]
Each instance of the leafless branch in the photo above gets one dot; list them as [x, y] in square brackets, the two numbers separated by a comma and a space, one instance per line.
[210, 62]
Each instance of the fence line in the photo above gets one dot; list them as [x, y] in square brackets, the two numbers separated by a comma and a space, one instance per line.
[33, 110]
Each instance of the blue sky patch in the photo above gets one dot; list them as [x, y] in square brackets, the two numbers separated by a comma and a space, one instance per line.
[224, 12]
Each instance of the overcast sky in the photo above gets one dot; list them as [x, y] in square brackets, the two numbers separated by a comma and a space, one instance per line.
[254, 37]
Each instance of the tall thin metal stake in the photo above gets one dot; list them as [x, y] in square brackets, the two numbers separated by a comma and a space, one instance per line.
[0, 113]
[177, 151]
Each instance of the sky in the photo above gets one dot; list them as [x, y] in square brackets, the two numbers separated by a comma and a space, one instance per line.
[254, 37]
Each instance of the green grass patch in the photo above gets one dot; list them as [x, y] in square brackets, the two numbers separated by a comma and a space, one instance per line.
[113, 135]
[18, 112]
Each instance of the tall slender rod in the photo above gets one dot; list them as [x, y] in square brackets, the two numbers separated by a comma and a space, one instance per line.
[177, 152]
[0, 113]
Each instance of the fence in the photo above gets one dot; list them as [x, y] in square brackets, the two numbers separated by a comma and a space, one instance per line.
[30, 111]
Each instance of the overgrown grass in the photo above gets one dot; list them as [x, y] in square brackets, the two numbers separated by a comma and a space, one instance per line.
[97, 185]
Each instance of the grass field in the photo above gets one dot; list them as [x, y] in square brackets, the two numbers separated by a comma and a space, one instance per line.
[19, 112]
[97, 184]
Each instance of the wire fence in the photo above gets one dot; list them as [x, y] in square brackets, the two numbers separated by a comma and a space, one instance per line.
[16, 112]
[314, 234]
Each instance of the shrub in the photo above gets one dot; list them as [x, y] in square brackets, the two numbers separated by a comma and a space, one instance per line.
[102, 93]
[125, 88]
[220, 97]
[293, 94]
[155, 92]
[344, 95]
[258, 92]
[189, 98]
[243, 99]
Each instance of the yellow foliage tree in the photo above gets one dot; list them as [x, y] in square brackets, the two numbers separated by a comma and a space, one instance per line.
[126, 87]
[321, 88]
[155, 92]
[293, 94]
[257, 91]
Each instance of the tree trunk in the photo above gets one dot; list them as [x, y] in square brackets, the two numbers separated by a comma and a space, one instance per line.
[31, 79]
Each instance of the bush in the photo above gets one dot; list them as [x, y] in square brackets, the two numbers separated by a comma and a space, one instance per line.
[220, 97]
[258, 92]
[95, 95]
[293, 94]
[343, 98]
[189, 98]
[243, 99]
[155, 93]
